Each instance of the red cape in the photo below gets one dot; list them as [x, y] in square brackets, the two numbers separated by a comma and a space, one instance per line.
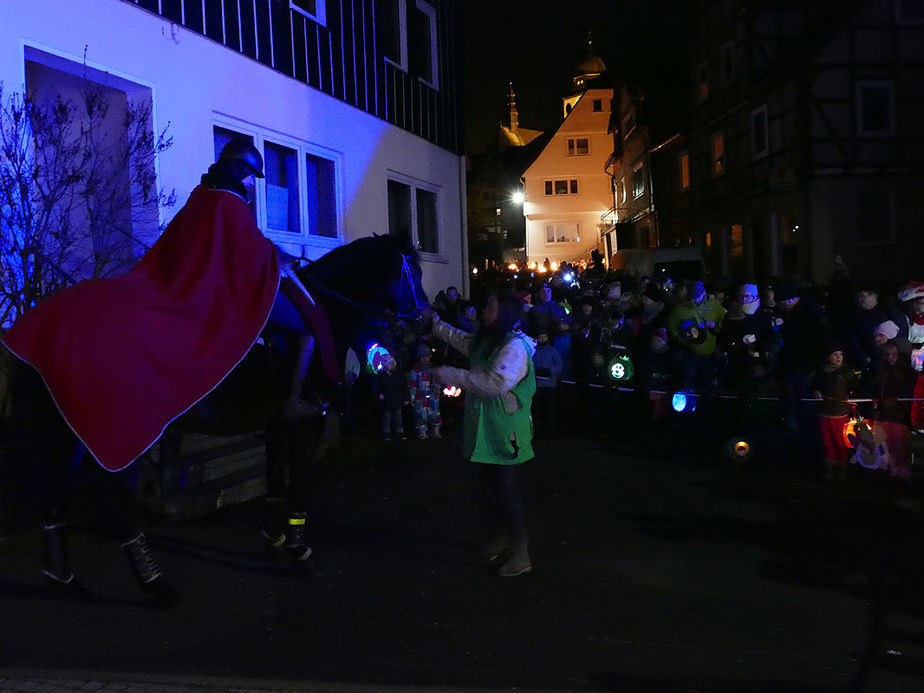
[123, 357]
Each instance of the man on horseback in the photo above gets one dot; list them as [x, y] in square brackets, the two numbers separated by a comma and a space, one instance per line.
[124, 357]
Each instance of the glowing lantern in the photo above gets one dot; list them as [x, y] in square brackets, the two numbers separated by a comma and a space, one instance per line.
[375, 357]
[738, 450]
[854, 428]
[621, 368]
[452, 391]
[683, 402]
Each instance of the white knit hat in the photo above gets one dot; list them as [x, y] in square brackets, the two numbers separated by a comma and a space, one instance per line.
[887, 329]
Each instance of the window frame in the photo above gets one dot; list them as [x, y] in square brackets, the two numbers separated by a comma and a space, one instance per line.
[416, 184]
[859, 87]
[720, 162]
[638, 191]
[683, 163]
[429, 10]
[320, 14]
[402, 38]
[305, 237]
[760, 150]
[574, 150]
[555, 225]
[570, 183]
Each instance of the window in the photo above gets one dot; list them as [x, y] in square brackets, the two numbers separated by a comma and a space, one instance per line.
[702, 82]
[910, 11]
[875, 108]
[760, 140]
[562, 233]
[280, 165]
[598, 105]
[638, 181]
[391, 31]
[718, 154]
[578, 146]
[413, 215]
[874, 217]
[561, 187]
[728, 61]
[684, 170]
[295, 200]
[321, 196]
[422, 43]
[313, 9]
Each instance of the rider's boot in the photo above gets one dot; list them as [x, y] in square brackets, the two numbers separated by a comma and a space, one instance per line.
[147, 572]
[300, 554]
[57, 570]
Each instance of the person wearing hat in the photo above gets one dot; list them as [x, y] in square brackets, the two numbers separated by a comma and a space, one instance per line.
[833, 383]
[860, 337]
[745, 340]
[802, 332]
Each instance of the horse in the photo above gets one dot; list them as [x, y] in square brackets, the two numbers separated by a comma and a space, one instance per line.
[351, 283]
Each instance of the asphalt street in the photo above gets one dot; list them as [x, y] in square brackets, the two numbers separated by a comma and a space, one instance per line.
[657, 567]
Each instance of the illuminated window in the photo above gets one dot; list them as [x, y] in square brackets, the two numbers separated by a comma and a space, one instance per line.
[875, 108]
[684, 170]
[561, 187]
[313, 9]
[718, 153]
[413, 215]
[562, 233]
[578, 146]
[282, 203]
[702, 82]
[760, 140]
[737, 241]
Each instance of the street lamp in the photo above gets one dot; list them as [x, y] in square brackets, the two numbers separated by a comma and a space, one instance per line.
[518, 197]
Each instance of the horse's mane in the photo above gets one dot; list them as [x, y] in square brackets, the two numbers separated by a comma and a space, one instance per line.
[362, 265]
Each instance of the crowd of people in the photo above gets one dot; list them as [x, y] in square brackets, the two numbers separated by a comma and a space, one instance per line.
[825, 355]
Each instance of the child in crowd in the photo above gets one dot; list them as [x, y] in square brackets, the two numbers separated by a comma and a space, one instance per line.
[892, 379]
[425, 396]
[548, 364]
[832, 383]
[391, 390]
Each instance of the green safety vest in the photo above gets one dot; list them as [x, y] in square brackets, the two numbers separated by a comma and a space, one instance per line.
[489, 432]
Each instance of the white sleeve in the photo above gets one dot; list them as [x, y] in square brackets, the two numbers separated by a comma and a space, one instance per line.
[509, 367]
[456, 338]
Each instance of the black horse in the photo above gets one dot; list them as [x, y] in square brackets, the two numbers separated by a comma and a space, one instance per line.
[352, 283]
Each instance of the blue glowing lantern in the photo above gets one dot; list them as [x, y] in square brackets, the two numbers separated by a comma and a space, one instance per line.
[375, 357]
[683, 402]
[621, 368]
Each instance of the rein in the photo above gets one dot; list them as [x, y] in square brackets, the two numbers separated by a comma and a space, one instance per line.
[406, 278]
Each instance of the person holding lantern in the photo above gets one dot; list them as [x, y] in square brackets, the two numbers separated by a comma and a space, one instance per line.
[832, 383]
[497, 427]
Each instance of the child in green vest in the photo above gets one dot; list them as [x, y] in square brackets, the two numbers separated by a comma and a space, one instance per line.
[497, 427]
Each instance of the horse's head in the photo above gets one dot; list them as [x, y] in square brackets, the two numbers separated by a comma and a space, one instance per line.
[373, 273]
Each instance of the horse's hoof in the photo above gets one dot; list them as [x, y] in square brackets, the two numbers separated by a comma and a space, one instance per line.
[165, 595]
[69, 586]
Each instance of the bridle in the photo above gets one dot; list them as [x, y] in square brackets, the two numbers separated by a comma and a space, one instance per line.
[407, 278]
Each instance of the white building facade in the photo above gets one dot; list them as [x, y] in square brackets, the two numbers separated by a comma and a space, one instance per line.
[353, 105]
[567, 189]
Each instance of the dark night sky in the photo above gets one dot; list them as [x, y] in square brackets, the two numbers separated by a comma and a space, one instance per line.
[537, 46]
